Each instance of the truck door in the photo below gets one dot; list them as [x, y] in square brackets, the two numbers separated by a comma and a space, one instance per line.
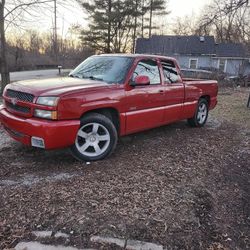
[174, 91]
[145, 104]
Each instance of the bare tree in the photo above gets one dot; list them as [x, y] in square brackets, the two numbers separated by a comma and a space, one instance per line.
[5, 77]
[236, 4]
[184, 26]
[9, 15]
[135, 24]
[226, 20]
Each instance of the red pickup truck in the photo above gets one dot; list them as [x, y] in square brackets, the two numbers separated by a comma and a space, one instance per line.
[106, 96]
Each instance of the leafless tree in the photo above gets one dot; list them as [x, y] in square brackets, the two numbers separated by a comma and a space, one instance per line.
[235, 4]
[227, 20]
[184, 26]
[31, 49]
[10, 14]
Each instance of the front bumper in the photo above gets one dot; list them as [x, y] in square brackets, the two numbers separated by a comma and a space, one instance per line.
[56, 134]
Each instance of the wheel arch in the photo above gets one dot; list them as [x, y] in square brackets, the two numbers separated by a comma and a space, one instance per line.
[110, 112]
[207, 98]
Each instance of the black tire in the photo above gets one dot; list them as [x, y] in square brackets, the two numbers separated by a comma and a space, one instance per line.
[196, 121]
[105, 128]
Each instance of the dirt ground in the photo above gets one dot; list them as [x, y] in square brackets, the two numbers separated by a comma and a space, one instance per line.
[182, 187]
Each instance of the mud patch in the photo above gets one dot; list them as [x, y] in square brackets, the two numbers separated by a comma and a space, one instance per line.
[203, 206]
[213, 123]
[5, 140]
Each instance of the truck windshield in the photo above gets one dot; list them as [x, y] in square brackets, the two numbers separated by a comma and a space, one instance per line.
[111, 69]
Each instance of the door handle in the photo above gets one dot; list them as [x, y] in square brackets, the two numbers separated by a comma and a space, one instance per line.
[161, 91]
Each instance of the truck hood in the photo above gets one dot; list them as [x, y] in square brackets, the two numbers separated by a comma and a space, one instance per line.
[55, 86]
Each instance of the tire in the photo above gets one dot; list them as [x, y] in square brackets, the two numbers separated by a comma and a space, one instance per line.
[96, 138]
[201, 114]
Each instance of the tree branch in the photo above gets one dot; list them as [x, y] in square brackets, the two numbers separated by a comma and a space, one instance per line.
[26, 5]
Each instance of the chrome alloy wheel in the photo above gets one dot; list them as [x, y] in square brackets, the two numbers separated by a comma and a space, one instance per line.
[92, 139]
[202, 113]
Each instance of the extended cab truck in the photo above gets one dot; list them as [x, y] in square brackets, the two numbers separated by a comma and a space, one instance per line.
[106, 96]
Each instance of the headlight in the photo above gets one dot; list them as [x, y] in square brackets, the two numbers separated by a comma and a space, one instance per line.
[47, 100]
[46, 114]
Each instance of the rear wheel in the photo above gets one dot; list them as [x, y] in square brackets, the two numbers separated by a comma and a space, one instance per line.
[95, 139]
[201, 114]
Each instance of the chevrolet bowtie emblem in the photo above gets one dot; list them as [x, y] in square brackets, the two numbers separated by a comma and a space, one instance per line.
[14, 101]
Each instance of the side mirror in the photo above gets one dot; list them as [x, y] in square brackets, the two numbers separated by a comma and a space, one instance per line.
[140, 81]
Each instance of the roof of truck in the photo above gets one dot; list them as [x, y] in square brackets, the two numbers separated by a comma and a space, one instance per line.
[138, 55]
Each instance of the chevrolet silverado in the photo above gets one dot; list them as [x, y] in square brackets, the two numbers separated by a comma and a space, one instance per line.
[106, 96]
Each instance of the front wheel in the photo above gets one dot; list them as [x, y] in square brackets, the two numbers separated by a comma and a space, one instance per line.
[201, 114]
[95, 139]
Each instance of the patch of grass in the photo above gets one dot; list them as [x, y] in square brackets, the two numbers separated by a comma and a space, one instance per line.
[232, 106]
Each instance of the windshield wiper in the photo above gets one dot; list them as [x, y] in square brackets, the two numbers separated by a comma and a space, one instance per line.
[87, 77]
[94, 78]
[76, 76]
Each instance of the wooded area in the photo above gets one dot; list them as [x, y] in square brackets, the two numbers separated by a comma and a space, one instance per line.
[35, 50]
[227, 21]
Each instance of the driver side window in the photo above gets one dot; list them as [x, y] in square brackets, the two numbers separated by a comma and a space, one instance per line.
[148, 68]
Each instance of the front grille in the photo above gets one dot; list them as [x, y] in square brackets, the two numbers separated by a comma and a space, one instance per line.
[26, 97]
[18, 108]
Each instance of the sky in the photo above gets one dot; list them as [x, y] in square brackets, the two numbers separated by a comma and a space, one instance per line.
[185, 7]
[71, 13]
[178, 8]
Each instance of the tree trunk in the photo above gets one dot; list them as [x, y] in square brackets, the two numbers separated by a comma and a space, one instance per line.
[5, 76]
[135, 26]
[150, 18]
[142, 19]
[109, 26]
[55, 33]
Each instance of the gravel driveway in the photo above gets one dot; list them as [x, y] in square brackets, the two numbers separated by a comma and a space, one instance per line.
[181, 187]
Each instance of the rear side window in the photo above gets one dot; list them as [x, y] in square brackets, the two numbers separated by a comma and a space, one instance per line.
[148, 68]
[170, 72]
